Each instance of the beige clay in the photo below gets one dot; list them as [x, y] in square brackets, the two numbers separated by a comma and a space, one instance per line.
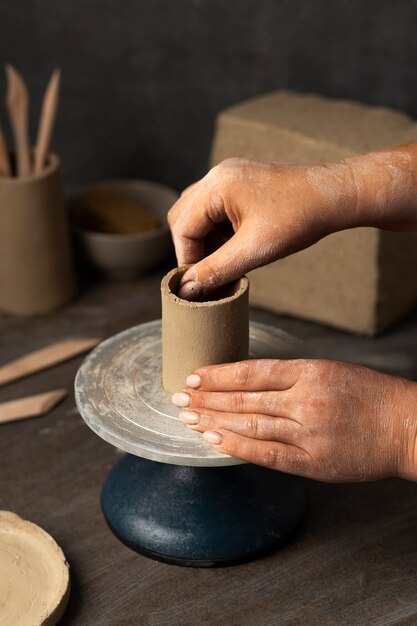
[201, 333]
[36, 274]
[34, 574]
[327, 282]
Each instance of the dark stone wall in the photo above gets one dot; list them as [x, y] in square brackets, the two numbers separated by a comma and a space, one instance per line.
[143, 80]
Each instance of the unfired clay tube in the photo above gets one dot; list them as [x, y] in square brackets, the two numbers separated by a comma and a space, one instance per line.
[195, 334]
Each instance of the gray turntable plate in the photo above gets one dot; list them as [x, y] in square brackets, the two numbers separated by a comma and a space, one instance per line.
[119, 394]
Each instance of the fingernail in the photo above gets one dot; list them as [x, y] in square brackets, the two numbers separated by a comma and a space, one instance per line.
[212, 437]
[181, 399]
[193, 381]
[190, 291]
[189, 417]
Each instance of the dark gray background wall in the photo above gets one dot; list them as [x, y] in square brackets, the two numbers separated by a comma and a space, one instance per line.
[144, 79]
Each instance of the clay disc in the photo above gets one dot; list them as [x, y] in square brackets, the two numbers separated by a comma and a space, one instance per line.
[34, 574]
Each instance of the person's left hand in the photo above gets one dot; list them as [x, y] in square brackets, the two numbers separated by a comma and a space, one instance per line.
[322, 419]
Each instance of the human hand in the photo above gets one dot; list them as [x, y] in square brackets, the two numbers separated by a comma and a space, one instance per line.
[272, 210]
[325, 420]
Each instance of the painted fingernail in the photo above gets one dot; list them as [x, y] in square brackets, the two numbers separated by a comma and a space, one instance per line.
[193, 381]
[190, 291]
[181, 399]
[189, 417]
[212, 437]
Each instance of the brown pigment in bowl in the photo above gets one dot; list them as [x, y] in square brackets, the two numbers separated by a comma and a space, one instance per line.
[103, 211]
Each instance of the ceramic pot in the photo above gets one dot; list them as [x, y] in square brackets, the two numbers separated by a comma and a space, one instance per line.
[36, 273]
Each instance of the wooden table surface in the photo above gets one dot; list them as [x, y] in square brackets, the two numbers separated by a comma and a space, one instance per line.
[353, 562]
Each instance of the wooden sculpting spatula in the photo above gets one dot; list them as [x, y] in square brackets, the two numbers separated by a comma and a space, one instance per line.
[45, 357]
[30, 406]
[46, 122]
[5, 169]
[17, 104]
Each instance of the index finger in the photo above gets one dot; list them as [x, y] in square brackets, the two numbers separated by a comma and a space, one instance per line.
[250, 375]
[191, 219]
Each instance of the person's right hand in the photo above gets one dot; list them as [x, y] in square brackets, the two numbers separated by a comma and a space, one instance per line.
[325, 420]
[272, 210]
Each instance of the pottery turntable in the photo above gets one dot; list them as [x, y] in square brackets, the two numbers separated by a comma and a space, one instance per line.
[173, 497]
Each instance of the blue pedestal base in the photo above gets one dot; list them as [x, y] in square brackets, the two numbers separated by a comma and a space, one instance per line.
[201, 516]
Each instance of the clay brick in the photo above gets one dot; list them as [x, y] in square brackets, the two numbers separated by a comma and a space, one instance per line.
[362, 280]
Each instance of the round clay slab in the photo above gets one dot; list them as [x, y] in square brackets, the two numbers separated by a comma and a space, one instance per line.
[119, 394]
[34, 574]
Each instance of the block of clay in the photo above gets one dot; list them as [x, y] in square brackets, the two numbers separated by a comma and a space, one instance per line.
[201, 333]
[34, 574]
[361, 280]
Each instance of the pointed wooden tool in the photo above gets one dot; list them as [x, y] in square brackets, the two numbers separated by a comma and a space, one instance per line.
[17, 104]
[5, 169]
[46, 122]
[30, 406]
[44, 358]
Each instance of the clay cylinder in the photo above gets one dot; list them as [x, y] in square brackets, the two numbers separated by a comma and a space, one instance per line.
[202, 333]
[36, 274]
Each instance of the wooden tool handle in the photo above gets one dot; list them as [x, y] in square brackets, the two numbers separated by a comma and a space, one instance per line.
[5, 169]
[44, 358]
[46, 122]
[30, 406]
[17, 104]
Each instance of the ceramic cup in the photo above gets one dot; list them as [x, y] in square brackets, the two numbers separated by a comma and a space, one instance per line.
[36, 272]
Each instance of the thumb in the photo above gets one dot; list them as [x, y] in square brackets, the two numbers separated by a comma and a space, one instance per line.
[227, 263]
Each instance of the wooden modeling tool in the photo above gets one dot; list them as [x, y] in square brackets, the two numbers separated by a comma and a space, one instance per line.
[17, 104]
[46, 122]
[5, 169]
[31, 406]
[44, 358]
[34, 574]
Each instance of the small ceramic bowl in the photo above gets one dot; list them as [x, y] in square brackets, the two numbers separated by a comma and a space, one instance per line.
[127, 256]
